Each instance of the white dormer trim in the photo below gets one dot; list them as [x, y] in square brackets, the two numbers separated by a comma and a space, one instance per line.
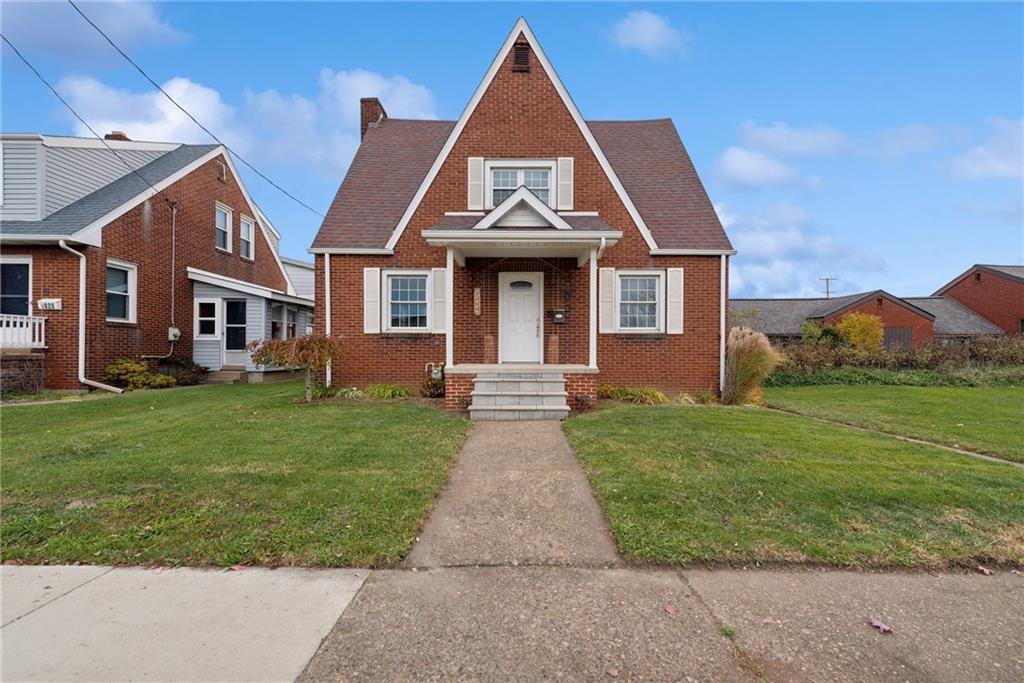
[524, 28]
[522, 196]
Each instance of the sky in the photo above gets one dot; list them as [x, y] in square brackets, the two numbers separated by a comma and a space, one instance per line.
[878, 144]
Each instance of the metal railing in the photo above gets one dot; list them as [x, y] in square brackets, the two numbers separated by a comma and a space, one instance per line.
[22, 331]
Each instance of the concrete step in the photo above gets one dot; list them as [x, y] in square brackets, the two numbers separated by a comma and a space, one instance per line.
[518, 412]
[519, 398]
[506, 384]
[226, 377]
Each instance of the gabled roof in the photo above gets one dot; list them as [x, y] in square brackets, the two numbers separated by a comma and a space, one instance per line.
[80, 217]
[645, 161]
[1013, 273]
[953, 318]
[576, 222]
[785, 316]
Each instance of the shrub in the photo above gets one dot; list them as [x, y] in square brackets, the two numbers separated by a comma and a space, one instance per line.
[432, 387]
[133, 374]
[387, 391]
[863, 330]
[810, 333]
[605, 391]
[648, 396]
[322, 391]
[349, 393]
[311, 353]
[749, 360]
[184, 370]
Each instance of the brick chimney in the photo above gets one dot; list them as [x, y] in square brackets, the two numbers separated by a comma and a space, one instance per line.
[370, 111]
[117, 135]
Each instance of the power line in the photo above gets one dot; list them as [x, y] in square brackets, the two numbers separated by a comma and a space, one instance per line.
[188, 114]
[76, 114]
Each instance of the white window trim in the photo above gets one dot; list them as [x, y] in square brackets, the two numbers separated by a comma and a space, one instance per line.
[551, 165]
[662, 283]
[216, 318]
[23, 260]
[385, 300]
[243, 221]
[230, 212]
[133, 289]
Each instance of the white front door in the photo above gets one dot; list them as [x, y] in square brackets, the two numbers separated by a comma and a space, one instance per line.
[234, 333]
[521, 317]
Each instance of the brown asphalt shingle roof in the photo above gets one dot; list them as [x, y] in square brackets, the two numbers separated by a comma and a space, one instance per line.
[648, 157]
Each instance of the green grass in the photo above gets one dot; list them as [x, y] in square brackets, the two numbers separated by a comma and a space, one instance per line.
[221, 475]
[987, 420]
[745, 485]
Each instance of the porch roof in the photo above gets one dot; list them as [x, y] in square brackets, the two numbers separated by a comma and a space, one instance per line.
[583, 223]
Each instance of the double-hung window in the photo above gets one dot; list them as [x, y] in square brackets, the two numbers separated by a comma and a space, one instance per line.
[246, 237]
[122, 287]
[222, 227]
[277, 321]
[405, 306]
[640, 296]
[507, 179]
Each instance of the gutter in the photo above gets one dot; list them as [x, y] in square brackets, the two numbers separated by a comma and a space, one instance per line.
[81, 323]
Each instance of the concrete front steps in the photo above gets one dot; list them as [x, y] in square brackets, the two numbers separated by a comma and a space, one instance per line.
[228, 375]
[519, 396]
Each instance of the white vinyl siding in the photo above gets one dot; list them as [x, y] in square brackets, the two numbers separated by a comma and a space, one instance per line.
[74, 172]
[22, 169]
[209, 352]
[303, 279]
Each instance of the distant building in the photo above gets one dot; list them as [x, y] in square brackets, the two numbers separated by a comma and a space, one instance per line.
[994, 292]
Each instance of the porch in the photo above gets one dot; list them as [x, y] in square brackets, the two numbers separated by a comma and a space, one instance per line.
[22, 331]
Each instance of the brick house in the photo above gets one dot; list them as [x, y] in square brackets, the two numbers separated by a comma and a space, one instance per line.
[996, 293]
[100, 262]
[529, 252]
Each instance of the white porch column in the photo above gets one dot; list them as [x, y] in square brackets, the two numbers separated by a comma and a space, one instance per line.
[593, 307]
[449, 315]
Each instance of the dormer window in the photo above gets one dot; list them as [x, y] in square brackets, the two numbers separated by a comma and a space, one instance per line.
[504, 180]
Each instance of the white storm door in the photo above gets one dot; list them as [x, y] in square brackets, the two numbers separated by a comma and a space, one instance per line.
[521, 317]
[235, 353]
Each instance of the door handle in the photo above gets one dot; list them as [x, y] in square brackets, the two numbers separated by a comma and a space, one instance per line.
[538, 327]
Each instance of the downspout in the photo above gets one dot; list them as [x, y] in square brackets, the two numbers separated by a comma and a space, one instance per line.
[81, 322]
[327, 309]
[174, 218]
[721, 335]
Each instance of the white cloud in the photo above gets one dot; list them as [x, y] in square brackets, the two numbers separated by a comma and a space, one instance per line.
[781, 139]
[1000, 156]
[649, 33]
[750, 168]
[320, 133]
[56, 29]
[780, 252]
[1010, 212]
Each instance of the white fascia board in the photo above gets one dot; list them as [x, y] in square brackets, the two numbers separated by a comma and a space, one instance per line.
[361, 251]
[524, 28]
[243, 286]
[524, 196]
[90, 234]
[94, 143]
[301, 300]
[693, 252]
[36, 239]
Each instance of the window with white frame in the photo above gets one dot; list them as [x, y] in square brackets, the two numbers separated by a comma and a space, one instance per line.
[506, 178]
[16, 285]
[405, 306]
[247, 231]
[277, 321]
[293, 318]
[640, 301]
[122, 290]
[222, 227]
[207, 317]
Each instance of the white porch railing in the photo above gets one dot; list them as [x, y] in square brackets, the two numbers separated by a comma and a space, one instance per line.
[22, 331]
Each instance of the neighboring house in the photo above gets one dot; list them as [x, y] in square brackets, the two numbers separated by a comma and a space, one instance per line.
[96, 265]
[906, 325]
[954, 322]
[302, 275]
[531, 253]
[996, 293]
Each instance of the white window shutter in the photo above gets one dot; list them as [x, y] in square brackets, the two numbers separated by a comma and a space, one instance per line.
[371, 300]
[606, 309]
[565, 170]
[674, 301]
[437, 279]
[476, 184]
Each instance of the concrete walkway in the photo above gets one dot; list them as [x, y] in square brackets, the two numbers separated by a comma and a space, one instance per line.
[100, 623]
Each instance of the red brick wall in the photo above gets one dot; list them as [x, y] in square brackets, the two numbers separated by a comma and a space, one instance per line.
[522, 116]
[581, 385]
[893, 315]
[143, 236]
[997, 299]
[458, 390]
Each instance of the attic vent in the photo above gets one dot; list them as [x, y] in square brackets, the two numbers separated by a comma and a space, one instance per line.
[977, 277]
[521, 57]
[222, 172]
[878, 302]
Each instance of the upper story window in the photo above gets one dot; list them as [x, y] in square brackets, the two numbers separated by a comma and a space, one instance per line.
[222, 227]
[506, 176]
[246, 234]
[122, 287]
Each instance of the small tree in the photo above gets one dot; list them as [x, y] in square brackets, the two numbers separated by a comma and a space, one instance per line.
[749, 359]
[863, 331]
[810, 333]
[310, 353]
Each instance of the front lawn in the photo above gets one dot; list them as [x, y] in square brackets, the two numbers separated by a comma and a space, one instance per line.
[985, 419]
[221, 475]
[742, 485]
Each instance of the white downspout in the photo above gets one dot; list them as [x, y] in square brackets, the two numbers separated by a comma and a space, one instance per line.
[81, 323]
[721, 340]
[327, 309]
[594, 253]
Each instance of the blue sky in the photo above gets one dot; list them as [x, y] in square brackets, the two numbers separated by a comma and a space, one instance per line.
[880, 144]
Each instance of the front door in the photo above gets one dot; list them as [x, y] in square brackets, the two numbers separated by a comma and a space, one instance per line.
[234, 332]
[520, 317]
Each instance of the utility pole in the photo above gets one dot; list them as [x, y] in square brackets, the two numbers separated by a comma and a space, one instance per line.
[828, 282]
